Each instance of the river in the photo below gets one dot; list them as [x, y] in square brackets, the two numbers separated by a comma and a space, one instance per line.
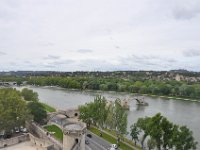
[177, 111]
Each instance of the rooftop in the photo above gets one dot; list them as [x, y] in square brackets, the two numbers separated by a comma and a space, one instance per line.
[73, 126]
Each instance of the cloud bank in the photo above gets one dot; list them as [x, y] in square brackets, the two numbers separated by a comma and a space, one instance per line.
[99, 35]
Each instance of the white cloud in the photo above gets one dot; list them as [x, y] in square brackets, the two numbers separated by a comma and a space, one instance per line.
[98, 35]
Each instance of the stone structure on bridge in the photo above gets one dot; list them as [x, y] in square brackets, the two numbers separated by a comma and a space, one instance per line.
[125, 103]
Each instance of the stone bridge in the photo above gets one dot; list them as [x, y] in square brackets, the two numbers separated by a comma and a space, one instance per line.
[126, 102]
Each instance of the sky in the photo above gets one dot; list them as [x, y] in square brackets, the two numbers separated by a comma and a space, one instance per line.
[99, 35]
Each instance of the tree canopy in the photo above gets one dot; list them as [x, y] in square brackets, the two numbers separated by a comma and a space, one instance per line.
[99, 113]
[13, 109]
[29, 95]
[163, 134]
[38, 111]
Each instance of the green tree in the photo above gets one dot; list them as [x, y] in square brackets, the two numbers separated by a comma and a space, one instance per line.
[151, 143]
[100, 110]
[167, 129]
[29, 95]
[38, 111]
[13, 109]
[183, 139]
[120, 117]
[94, 112]
[156, 131]
[135, 133]
[109, 120]
[86, 113]
[143, 124]
[165, 134]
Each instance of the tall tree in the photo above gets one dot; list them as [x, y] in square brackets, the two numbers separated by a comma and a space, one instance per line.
[156, 131]
[100, 110]
[120, 117]
[86, 113]
[13, 109]
[143, 124]
[135, 133]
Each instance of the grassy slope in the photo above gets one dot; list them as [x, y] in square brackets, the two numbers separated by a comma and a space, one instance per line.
[58, 132]
[48, 108]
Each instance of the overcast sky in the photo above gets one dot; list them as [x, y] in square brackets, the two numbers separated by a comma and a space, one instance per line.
[106, 35]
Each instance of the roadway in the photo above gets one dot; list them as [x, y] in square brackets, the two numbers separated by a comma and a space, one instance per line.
[96, 143]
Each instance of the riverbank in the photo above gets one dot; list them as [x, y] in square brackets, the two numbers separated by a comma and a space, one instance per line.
[172, 97]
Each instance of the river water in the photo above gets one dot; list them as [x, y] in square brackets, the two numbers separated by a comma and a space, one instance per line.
[180, 112]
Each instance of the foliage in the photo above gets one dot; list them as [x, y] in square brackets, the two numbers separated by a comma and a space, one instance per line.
[29, 95]
[183, 139]
[164, 134]
[151, 143]
[13, 110]
[119, 117]
[134, 133]
[86, 113]
[102, 115]
[38, 111]
[133, 83]
[152, 87]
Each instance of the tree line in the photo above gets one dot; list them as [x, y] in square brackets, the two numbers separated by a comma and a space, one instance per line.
[151, 87]
[165, 88]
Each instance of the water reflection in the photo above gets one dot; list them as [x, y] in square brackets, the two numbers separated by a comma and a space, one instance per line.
[140, 108]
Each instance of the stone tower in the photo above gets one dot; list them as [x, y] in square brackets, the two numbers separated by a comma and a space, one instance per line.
[74, 136]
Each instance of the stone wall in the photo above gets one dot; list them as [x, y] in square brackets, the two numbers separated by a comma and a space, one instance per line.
[41, 133]
[40, 144]
[15, 140]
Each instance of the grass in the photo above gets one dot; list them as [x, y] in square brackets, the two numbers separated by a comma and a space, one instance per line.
[110, 139]
[58, 132]
[48, 108]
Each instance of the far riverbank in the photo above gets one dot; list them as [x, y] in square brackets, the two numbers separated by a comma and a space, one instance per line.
[134, 94]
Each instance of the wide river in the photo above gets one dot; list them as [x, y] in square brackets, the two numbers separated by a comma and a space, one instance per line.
[177, 111]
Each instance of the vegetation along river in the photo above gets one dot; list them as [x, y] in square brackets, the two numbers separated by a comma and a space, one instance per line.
[177, 111]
